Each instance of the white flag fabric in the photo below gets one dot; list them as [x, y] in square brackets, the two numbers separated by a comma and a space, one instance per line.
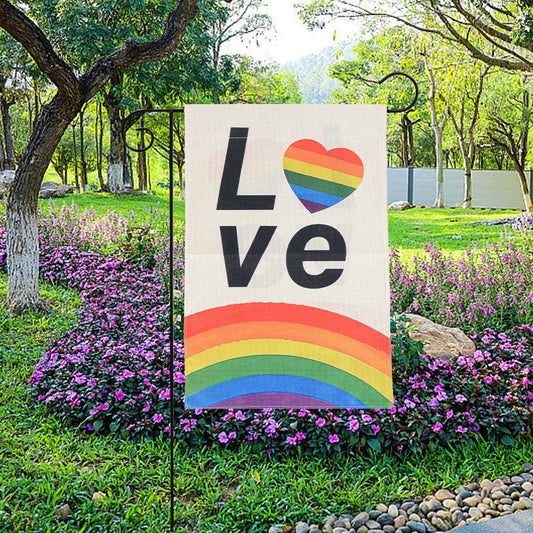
[287, 276]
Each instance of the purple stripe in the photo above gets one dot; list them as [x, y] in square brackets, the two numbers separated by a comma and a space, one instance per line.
[312, 207]
[273, 400]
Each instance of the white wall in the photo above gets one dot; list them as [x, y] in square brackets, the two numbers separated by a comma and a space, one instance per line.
[490, 188]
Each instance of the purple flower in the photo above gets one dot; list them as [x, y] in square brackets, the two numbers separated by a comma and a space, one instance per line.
[461, 429]
[157, 418]
[437, 427]
[333, 438]
[320, 422]
[223, 438]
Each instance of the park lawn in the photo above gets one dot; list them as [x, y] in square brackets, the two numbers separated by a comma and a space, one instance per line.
[46, 465]
[451, 229]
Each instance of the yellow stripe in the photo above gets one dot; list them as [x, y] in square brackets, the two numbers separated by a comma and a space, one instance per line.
[376, 379]
[321, 172]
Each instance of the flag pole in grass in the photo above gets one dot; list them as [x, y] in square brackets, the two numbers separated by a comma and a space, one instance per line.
[171, 277]
[127, 123]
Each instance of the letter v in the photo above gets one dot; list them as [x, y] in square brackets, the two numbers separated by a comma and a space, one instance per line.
[239, 274]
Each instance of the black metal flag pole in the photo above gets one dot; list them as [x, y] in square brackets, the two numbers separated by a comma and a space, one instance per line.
[171, 266]
[128, 122]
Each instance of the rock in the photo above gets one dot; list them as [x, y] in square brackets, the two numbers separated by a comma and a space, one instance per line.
[527, 486]
[6, 179]
[414, 517]
[98, 498]
[399, 522]
[528, 504]
[301, 527]
[374, 513]
[439, 523]
[381, 508]
[389, 529]
[440, 342]
[472, 501]
[339, 530]
[385, 520]
[487, 484]
[433, 504]
[449, 503]
[475, 513]
[417, 526]
[465, 494]
[276, 529]
[51, 189]
[430, 528]
[360, 520]
[457, 516]
[61, 513]
[342, 522]
[362, 529]
[400, 205]
[441, 494]
[372, 524]
[393, 511]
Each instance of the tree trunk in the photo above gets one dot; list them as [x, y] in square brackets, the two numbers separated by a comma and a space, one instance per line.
[115, 162]
[439, 189]
[9, 148]
[141, 160]
[21, 215]
[438, 130]
[99, 142]
[83, 162]
[74, 145]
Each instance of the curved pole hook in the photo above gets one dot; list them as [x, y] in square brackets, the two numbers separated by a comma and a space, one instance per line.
[415, 97]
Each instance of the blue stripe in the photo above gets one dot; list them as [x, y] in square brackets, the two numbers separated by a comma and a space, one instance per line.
[273, 383]
[322, 198]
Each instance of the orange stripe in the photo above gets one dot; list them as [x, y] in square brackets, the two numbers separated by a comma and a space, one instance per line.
[287, 331]
[325, 161]
[282, 312]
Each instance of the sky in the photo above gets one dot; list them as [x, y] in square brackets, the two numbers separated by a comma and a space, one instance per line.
[292, 40]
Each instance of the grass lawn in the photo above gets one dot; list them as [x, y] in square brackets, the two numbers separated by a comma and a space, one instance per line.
[45, 465]
[451, 229]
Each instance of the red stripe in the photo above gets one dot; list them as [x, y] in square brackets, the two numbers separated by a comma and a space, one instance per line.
[282, 312]
[344, 154]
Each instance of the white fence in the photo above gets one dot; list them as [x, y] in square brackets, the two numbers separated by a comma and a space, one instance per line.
[490, 188]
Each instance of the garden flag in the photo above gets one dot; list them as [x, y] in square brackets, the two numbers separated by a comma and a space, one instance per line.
[286, 257]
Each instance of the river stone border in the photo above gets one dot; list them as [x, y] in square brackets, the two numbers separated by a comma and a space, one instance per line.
[442, 511]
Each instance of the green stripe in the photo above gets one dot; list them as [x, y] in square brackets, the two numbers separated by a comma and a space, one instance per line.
[284, 364]
[303, 180]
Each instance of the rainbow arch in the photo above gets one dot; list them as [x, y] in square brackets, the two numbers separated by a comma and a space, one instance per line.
[265, 354]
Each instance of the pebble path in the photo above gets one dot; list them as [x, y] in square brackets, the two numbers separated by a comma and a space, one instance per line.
[442, 511]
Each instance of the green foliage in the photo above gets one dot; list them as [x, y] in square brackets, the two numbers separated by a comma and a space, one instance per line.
[255, 82]
[139, 246]
[406, 352]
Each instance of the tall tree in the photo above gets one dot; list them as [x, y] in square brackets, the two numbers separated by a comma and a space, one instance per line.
[499, 32]
[73, 91]
[438, 125]
[510, 119]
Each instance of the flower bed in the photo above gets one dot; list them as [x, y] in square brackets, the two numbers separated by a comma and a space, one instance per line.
[110, 373]
[491, 288]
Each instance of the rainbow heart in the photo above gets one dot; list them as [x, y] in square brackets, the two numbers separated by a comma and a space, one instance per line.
[321, 178]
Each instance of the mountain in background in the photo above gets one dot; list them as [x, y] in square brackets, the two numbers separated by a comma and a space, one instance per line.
[312, 71]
